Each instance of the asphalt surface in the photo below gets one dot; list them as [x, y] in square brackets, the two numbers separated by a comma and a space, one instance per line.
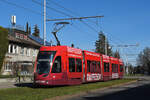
[11, 83]
[7, 85]
[135, 91]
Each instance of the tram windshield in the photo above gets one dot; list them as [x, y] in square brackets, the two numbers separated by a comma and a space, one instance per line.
[44, 61]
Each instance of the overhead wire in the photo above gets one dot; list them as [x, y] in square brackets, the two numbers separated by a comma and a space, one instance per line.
[22, 7]
[77, 15]
[91, 27]
[118, 39]
[73, 16]
[58, 11]
[68, 10]
[30, 10]
[17, 5]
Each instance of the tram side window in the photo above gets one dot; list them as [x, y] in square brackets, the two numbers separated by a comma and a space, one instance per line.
[57, 65]
[79, 65]
[106, 67]
[117, 68]
[71, 64]
[98, 69]
[121, 68]
[113, 67]
[92, 66]
[88, 66]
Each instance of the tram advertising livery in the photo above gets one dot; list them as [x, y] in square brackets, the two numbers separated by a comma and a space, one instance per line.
[63, 65]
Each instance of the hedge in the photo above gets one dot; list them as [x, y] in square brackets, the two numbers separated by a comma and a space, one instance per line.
[3, 44]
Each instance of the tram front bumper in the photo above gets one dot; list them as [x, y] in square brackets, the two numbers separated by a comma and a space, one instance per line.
[43, 82]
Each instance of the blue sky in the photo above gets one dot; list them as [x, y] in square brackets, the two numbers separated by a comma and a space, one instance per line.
[124, 22]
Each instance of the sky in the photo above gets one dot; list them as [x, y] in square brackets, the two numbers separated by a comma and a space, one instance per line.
[125, 22]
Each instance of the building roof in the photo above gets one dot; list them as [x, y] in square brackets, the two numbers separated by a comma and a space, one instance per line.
[19, 36]
[22, 41]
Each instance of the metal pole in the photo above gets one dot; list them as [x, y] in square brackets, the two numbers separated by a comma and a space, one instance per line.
[127, 68]
[44, 36]
[125, 56]
[105, 45]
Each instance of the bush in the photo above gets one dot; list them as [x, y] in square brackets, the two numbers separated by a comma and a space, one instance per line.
[7, 76]
[3, 44]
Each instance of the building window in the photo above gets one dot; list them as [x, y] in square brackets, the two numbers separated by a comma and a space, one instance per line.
[28, 52]
[34, 52]
[21, 36]
[11, 48]
[17, 49]
[14, 49]
[71, 64]
[22, 51]
[7, 66]
[17, 35]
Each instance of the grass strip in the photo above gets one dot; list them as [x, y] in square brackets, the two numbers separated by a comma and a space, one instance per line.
[26, 93]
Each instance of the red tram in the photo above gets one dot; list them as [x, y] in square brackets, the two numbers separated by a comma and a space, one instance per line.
[63, 65]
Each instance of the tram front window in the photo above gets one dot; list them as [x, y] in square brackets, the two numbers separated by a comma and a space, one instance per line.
[44, 61]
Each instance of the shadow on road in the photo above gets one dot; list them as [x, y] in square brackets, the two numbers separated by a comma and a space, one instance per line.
[31, 85]
[138, 93]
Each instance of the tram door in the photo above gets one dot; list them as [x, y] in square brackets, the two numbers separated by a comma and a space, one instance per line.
[93, 70]
[75, 70]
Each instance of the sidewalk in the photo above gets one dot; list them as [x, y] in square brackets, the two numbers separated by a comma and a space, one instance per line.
[11, 82]
[4, 80]
[7, 85]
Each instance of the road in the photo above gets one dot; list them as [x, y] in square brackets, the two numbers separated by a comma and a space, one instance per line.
[136, 91]
[7, 85]
[10, 83]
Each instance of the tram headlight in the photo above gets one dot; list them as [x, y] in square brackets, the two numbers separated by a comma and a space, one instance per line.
[41, 81]
[46, 82]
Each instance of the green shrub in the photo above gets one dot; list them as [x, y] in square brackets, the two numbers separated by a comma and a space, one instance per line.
[3, 44]
[7, 76]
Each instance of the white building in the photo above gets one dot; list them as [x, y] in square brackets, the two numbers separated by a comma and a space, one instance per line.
[22, 53]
